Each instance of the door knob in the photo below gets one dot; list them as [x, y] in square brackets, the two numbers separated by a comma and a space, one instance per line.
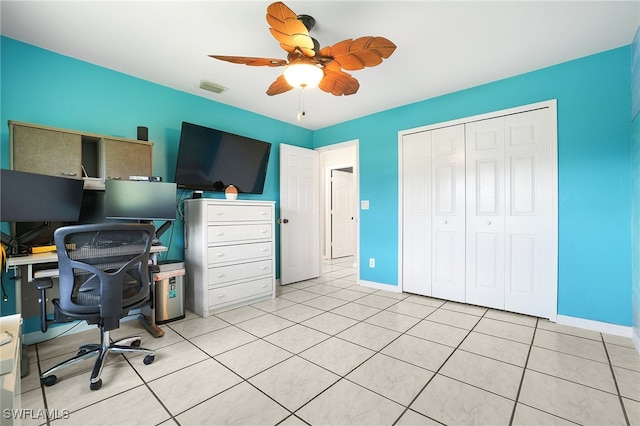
[283, 220]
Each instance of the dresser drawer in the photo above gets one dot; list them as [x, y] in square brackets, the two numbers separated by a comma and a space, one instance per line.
[224, 274]
[230, 233]
[231, 293]
[220, 213]
[240, 252]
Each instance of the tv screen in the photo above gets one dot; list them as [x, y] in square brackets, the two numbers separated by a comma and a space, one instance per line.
[211, 160]
[32, 197]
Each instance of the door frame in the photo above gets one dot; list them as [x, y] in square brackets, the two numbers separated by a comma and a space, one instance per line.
[325, 191]
[553, 135]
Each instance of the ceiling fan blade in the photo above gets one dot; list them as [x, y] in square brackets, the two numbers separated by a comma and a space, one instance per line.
[362, 52]
[338, 83]
[254, 62]
[279, 86]
[288, 30]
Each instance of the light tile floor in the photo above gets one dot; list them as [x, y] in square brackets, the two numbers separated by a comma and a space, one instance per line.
[328, 352]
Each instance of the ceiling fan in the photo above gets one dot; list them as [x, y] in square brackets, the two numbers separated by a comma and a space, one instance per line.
[307, 65]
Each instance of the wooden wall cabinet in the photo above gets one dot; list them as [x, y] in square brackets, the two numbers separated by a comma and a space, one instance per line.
[68, 153]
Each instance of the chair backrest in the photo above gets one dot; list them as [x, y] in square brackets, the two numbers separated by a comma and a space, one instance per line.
[104, 269]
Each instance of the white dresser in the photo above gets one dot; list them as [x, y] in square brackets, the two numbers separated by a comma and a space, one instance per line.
[229, 253]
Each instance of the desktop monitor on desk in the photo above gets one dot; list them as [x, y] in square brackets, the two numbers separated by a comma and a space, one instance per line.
[31, 197]
[141, 200]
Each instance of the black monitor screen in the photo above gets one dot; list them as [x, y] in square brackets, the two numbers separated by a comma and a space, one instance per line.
[31, 197]
[129, 199]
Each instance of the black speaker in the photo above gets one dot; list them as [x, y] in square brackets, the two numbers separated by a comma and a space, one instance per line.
[143, 133]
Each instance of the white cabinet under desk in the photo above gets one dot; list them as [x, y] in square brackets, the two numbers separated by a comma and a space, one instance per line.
[229, 253]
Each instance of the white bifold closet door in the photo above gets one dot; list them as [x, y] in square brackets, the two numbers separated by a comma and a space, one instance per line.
[510, 247]
[434, 213]
[479, 216]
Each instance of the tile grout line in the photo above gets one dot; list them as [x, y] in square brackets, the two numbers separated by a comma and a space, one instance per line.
[524, 371]
[439, 368]
[615, 382]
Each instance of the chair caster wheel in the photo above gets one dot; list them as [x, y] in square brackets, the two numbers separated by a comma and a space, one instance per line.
[148, 359]
[95, 386]
[49, 380]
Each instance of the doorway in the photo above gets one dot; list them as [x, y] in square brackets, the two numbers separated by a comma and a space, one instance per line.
[339, 200]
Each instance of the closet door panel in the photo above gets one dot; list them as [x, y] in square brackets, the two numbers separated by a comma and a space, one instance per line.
[531, 249]
[416, 220]
[448, 218]
[485, 213]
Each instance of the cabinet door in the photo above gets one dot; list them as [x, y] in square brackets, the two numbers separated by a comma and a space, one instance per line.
[123, 159]
[47, 152]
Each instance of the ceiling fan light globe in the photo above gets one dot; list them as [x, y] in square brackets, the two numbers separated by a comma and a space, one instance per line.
[303, 76]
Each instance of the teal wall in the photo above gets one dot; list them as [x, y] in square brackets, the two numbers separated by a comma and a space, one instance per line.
[593, 95]
[635, 186]
[594, 151]
[39, 86]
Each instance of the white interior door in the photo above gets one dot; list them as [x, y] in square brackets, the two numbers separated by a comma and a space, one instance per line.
[485, 212]
[342, 214]
[448, 216]
[299, 214]
[511, 237]
[416, 213]
[530, 241]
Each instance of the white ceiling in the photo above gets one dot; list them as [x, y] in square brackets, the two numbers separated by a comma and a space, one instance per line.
[442, 46]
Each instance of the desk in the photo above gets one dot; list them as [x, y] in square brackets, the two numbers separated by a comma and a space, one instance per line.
[27, 266]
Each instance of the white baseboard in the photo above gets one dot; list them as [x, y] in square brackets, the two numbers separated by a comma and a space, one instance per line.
[380, 286]
[602, 327]
[635, 336]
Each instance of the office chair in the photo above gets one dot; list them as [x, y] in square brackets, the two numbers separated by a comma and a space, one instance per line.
[103, 273]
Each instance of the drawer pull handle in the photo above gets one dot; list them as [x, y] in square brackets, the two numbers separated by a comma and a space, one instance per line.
[263, 285]
[219, 213]
[263, 213]
[263, 231]
[263, 268]
[220, 254]
[220, 275]
[263, 249]
[220, 234]
[220, 296]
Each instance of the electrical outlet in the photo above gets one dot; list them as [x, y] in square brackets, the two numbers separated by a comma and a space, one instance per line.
[372, 263]
[364, 204]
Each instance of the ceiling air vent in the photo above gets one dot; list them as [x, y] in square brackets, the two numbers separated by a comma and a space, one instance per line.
[212, 87]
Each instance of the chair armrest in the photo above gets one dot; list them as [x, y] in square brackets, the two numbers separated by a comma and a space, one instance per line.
[43, 283]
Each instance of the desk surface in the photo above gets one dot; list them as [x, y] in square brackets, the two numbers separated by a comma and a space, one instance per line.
[34, 259]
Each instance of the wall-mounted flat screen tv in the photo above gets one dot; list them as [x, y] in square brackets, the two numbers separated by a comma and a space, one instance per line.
[211, 160]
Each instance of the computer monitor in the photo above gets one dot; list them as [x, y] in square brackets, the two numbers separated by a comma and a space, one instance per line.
[140, 200]
[36, 201]
[31, 197]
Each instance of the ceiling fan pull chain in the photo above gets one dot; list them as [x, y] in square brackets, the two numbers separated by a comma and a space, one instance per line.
[302, 113]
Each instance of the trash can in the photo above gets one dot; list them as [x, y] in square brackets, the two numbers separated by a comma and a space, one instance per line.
[169, 291]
